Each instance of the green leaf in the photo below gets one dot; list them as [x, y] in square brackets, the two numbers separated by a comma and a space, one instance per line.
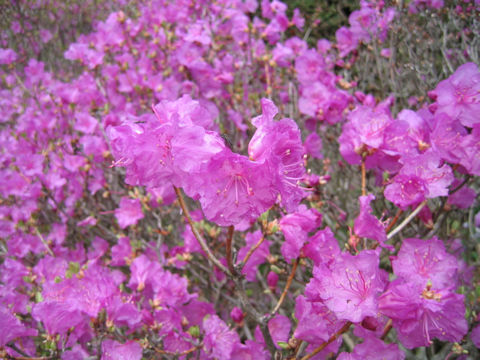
[73, 268]
[38, 297]
[276, 269]
[194, 331]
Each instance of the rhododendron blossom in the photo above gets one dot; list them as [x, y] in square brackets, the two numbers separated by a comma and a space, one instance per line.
[422, 313]
[366, 224]
[350, 286]
[430, 292]
[458, 96]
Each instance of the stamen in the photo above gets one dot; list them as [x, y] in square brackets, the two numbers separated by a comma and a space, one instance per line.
[236, 191]
[289, 166]
[293, 178]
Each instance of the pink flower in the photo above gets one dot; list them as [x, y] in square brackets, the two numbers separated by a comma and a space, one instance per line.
[219, 340]
[365, 130]
[426, 261]
[121, 251]
[295, 227]
[315, 99]
[475, 336]
[45, 35]
[85, 123]
[199, 32]
[31, 164]
[313, 146]
[322, 247]
[350, 286]
[370, 125]
[462, 198]
[297, 19]
[167, 149]
[251, 350]
[471, 145]
[316, 324]
[129, 212]
[373, 348]
[57, 317]
[422, 302]
[279, 328]
[406, 191]
[12, 328]
[236, 189]
[278, 145]
[346, 41]
[366, 224]
[408, 134]
[86, 295]
[73, 162]
[143, 272]
[309, 66]
[422, 313]
[422, 176]
[362, 22]
[113, 350]
[459, 95]
[447, 137]
[170, 289]
[7, 56]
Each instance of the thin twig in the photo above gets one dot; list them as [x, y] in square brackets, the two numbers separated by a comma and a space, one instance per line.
[364, 177]
[394, 221]
[287, 286]
[44, 242]
[407, 220]
[386, 329]
[298, 349]
[251, 251]
[262, 321]
[228, 249]
[197, 234]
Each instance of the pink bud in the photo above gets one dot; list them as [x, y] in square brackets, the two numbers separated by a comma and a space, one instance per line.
[272, 279]
[237, 315]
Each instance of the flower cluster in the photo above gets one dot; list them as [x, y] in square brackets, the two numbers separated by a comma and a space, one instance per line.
[419, 148]
[175, 148]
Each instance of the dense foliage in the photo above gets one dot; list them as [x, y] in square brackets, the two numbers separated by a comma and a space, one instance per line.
[232, 180]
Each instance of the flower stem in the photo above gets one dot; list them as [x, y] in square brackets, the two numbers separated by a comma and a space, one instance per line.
[259, 319]
[228, 249]
[406, 221]
[197, 234]
[251, 251]
[394, 221]
[287, 286]
[386, 329]
[364, 177]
